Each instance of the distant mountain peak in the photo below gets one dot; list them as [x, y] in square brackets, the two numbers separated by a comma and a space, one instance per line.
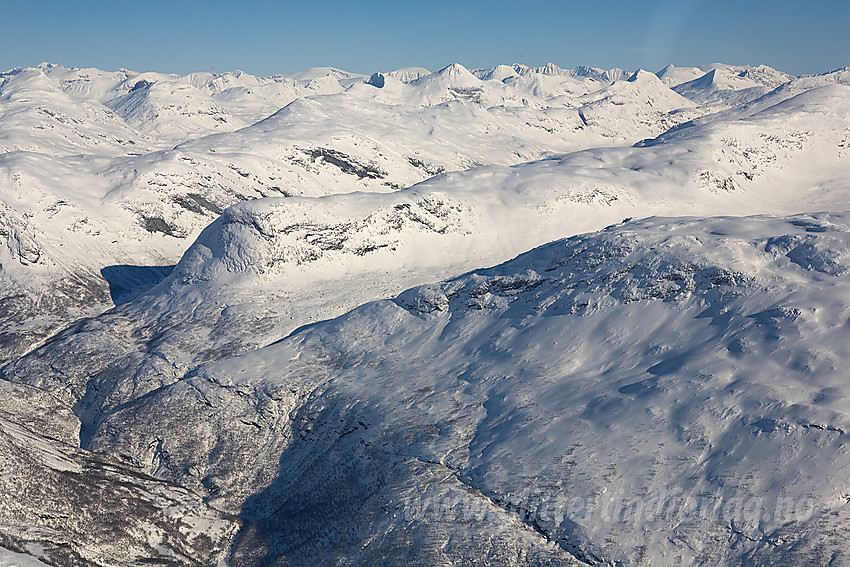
[598, 74]
[641, 76]
[455, 70]
[550, 69]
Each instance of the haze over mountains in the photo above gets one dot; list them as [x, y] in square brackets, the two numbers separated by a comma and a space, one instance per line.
[222, 316]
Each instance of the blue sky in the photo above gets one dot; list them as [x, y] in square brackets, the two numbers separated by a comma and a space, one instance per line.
[266, 37]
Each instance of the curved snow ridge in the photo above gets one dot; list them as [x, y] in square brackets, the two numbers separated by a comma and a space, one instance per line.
[36, 115]
[642, 87]
[600, 75]
[172, 112]
[269, 234]
[723, 86]
[456, 75]
[771, 135]
[831, 100]
[458, 219]
[408, 74]
[640, 104]
[515, 86]
[672, 75]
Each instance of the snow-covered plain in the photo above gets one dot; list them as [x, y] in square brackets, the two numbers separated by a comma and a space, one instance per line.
[660, 391]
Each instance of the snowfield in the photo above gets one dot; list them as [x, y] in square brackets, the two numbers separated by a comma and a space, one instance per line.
[257, 318]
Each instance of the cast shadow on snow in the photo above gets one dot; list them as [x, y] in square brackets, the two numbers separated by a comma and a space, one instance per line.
[126, 282]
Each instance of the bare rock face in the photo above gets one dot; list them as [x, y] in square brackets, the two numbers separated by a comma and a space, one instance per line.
[78, 509]
[39, 411]
[72, 507]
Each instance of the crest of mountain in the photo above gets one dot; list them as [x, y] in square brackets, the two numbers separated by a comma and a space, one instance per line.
[640, 104]
[408, 74]
[220, 82]
[171, 112]
[789, 90]
[89, 84]
[250, 104]
[550, 69]
[245, 96]
[454, 75]
[839, 76]
[36, 116]
[774, 97]
[672, 75]
[497, 73]
[600, 75]
[540, 87]
[315, 73]
[725, 86]
[761, 74]
[766, 76]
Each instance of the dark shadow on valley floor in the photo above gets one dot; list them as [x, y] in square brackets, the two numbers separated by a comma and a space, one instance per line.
[127, 282]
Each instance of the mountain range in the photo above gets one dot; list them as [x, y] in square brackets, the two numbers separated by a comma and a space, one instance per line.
[507, 316]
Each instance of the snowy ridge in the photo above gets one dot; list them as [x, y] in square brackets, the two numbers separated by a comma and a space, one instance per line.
[672, 75]
[725, 86]
[155, 108]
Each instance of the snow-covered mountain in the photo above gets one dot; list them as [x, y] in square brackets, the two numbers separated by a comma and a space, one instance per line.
[695, 361]
[788, 156]
[147, 160]
[298, 389]
[672, 75]
[724, 86]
